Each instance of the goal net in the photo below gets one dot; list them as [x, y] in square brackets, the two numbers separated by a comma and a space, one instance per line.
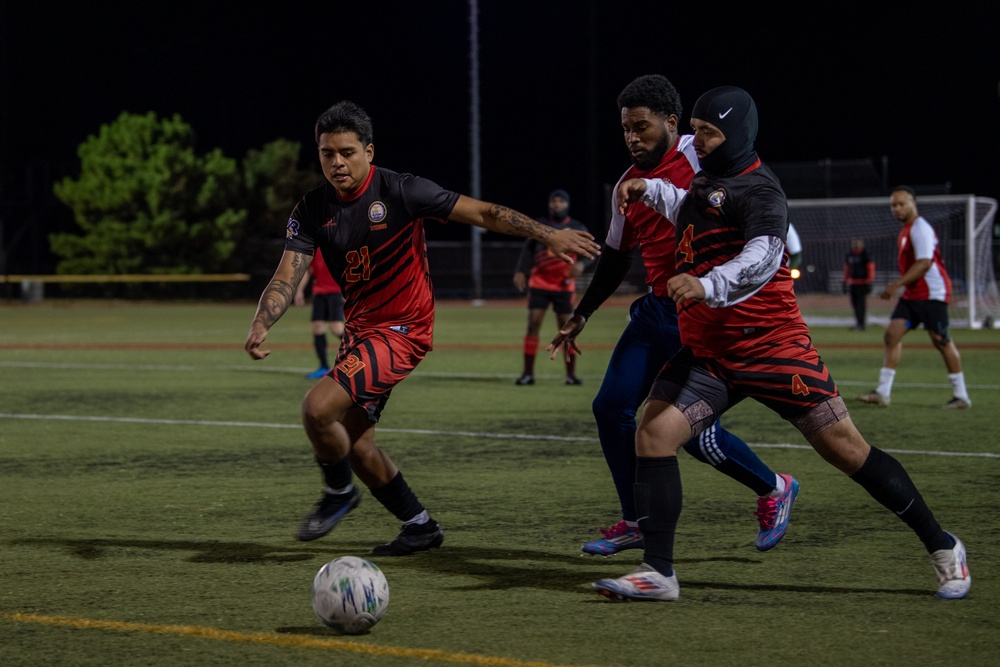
[964, 226]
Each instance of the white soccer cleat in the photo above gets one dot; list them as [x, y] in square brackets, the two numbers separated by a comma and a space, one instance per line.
[875, 398]
[954, 580]
[644, 583]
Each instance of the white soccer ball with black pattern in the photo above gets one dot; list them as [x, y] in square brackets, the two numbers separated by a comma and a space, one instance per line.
[350, 594]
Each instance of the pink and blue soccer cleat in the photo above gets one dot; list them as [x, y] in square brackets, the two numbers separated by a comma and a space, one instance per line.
[773, 514]
[618, 537]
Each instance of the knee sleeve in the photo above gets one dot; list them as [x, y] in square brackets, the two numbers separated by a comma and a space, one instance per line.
[699, 415]
[821, 417]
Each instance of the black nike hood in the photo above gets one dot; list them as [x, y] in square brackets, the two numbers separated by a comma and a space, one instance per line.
[733, 111]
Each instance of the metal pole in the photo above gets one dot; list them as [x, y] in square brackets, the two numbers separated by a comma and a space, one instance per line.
[475, 189]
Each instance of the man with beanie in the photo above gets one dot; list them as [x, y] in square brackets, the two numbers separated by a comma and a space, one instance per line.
[744, 337]
[650, 109]
[549, 282]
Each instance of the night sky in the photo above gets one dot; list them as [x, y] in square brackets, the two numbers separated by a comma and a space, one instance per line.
[920, 88]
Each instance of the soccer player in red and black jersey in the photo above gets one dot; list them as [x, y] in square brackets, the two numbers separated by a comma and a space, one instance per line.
[744, 337]
[650, 109]
[549, 281]
[327, 310]
[368, 222]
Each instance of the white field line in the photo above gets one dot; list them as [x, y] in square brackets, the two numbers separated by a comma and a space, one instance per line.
[470, 434]
[418, 373]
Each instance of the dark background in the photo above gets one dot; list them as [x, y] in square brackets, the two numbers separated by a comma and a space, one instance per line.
[913, 91]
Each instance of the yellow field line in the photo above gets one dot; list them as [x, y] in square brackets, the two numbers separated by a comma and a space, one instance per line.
[294, 641]
[131, 278]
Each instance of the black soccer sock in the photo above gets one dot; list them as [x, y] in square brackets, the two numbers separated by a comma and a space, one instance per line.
[658, 505]
[336, 474]
[319, 342]
[885, 479]
[398, 498]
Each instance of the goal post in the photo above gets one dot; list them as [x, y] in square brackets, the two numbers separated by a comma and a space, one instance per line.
[964, 226]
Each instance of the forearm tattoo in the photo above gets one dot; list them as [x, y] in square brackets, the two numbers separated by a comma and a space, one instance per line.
[279, 294]
[510, 221]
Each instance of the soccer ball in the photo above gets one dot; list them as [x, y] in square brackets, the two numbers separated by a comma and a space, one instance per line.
[350, 594]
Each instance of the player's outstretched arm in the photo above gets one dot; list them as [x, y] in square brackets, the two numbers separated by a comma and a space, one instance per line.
[275, 300]
[562, 243]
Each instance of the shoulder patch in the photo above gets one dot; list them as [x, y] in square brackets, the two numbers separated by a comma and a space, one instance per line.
[717, 198]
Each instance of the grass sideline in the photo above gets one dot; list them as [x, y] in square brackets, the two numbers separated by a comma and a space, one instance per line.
[151, 477]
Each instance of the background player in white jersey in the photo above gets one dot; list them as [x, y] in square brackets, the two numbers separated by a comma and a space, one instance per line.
[926, 295]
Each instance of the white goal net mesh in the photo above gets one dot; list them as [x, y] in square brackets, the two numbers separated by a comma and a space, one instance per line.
[964, 226]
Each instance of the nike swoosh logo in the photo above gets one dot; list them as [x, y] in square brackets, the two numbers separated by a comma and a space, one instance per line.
[905, 508]
[723, 115]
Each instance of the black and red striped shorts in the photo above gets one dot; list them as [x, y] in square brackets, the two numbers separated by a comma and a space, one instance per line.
[778, 368]
[370, 365]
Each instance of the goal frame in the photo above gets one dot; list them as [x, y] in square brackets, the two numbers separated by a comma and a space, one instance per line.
[979, 280]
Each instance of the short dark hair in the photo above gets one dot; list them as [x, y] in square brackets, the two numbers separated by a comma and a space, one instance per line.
[905, 188]
[345, 117]
[654, 92]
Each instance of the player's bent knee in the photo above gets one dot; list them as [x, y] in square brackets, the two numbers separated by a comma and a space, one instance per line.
[822, 417]
[699, 415]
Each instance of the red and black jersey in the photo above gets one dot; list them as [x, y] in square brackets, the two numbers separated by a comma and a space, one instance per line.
[545, 270]
[716, 219]
[323, 282]
[374, 245]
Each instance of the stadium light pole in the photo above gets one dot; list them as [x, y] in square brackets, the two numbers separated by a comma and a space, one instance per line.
[474, 150]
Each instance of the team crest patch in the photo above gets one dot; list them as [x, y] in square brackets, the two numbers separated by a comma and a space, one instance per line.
[717, 198]
[292, 230]
[376, 212]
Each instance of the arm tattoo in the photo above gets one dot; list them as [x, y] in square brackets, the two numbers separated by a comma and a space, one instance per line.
[279, 294]
[509, 221]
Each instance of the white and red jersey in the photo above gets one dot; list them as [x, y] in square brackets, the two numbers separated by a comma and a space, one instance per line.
[642, 225]
[917, 240]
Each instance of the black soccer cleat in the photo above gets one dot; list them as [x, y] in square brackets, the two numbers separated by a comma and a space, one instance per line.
[411, 539]
[328, 512]
[525, 379]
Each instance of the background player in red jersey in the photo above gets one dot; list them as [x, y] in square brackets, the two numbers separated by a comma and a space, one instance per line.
[744, 337]
[859, 274]
[368, 222]
[327, 310]
[549, 281]
[650, 108]
[926, 295]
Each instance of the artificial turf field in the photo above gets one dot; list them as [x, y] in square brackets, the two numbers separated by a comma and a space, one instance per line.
[152, 476]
